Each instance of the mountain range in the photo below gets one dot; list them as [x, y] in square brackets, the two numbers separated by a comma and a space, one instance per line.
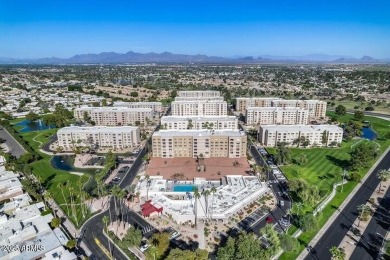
[167, 57]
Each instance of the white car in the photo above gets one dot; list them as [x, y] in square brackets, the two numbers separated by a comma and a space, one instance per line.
[174, 235]
[144, 247]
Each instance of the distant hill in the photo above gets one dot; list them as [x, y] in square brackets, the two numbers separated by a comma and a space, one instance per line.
[167, 57]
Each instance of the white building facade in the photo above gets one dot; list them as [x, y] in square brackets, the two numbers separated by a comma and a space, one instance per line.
[199, 143]
[106, 137]
[199, 123]
[276, 116]
[115, 116]
[316, 135]
[199, 108]
[155, 106]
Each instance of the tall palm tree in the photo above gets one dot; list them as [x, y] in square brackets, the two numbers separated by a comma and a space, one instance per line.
[213, 190]
[364, 211]
[206, 193]
[105, 221]
[382, 175]
[61, 186]
[196, 196]
[337, 253]
[115, 192]
[147, 178]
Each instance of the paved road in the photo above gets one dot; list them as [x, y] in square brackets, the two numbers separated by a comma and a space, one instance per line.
[370, 243]
[339, 228]
[14, 147]
[277, 188]
[94, 227]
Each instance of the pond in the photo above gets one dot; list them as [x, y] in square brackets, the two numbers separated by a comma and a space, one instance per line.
[65, 163]
[368, 133]
[30, 126]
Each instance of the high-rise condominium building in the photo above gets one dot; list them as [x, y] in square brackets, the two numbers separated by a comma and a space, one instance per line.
[316, 108]
[199, 143]
[199, 94]
[114, 116]
[155, 106]
[313, 135]
[276, 116]
[199, 108]
[199, 123]
[102, 136]
[217, 99]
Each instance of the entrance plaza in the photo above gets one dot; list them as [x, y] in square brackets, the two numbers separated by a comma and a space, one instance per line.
[186, 168]
[231, 194]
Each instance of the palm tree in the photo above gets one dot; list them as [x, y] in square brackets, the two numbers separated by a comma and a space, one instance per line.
[147, 178]
[383, 175]
[196, 196]
[343, 174]
[115, 191]
[337, 253]
[364, 211]
[61, 186]
[213, 190]
[206, 193]
[105, 221]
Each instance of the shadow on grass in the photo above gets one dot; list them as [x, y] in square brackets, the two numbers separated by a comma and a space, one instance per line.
[49, 181]
[338, 162]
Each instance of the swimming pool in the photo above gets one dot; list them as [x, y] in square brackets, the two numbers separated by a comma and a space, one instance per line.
[183, 188]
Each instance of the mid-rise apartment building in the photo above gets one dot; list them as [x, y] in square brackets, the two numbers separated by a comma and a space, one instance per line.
[114, 116]
[199, 94]
[316, 108]
[155, 106]
[276, 116]
[316, 135]
[217, 99]
[199, 108]
[199, 123]
[242, 103]
[101, 136]
[199, 143]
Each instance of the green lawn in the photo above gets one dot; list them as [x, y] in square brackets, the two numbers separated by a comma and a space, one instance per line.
[49, 176]
[323, 170]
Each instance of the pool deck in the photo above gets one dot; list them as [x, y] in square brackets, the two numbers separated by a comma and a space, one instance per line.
[166, 167]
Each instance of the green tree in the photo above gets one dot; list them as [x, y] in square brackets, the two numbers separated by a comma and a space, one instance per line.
[364, 212]
[341, 110]
[161, 242]
[337, 253]
[382, 175]
[307, 222]
[362, 154]
[359, 115]
[55, 222]
[247, 247]
[177, 253]
[71, 243]
[31, 116]
[288, 243]
[302, 159]
[228, 251]
[283, 154]
[133, 236]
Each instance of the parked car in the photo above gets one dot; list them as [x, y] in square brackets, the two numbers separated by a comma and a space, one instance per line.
[269, 220]
[174, 235]
[144, 247]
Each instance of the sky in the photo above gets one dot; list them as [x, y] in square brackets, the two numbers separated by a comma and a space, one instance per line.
[56, 28]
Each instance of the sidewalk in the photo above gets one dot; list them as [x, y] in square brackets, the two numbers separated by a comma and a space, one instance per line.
[330, 221]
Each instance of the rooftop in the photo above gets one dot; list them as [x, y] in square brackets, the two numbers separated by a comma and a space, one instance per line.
[97, 129]
[296, 128]
[114, 109]
[198, 118]
[194, 133]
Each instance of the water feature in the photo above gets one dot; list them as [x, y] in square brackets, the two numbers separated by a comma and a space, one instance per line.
[66, 163]
[30, 126]
[183, 188]
[368, 133]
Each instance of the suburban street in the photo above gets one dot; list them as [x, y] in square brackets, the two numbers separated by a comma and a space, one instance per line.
[339, 228]
[277, 188]
[370, 243]
[14, 147]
